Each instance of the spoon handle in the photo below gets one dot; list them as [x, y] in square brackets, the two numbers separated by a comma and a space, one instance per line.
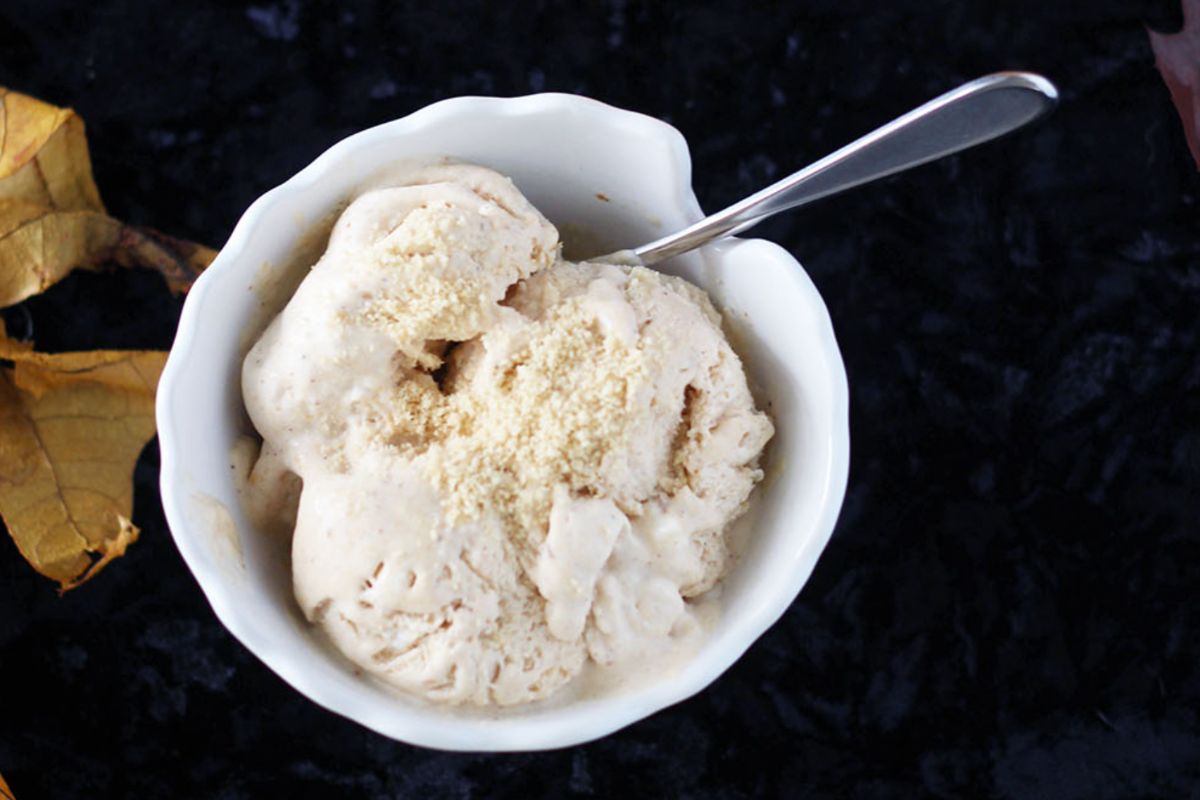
[972, 114]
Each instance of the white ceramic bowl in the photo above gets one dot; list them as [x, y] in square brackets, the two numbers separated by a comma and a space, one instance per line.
[600, 173]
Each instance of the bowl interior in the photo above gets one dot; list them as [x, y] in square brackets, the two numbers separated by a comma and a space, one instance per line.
[608, 179]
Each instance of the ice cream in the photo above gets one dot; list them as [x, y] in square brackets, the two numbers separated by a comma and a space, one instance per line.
[512, 468]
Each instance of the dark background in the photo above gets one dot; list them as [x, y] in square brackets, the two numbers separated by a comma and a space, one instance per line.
[1008, 606]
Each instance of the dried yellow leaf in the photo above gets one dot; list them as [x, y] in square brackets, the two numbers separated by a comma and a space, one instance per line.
[38, 247]
[71, 428]
[51, 218]
[5, 792]
[44, 155]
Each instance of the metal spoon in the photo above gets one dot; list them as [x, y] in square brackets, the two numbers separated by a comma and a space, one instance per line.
[972, 114]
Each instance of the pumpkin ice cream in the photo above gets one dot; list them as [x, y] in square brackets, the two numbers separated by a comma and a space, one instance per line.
[514, 468]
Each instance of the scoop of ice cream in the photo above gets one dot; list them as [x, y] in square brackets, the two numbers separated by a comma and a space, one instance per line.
[440, 610]
[507, 469]
[648, 405]
[407, 269]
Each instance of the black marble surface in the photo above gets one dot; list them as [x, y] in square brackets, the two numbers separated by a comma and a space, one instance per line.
[1008, 607]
